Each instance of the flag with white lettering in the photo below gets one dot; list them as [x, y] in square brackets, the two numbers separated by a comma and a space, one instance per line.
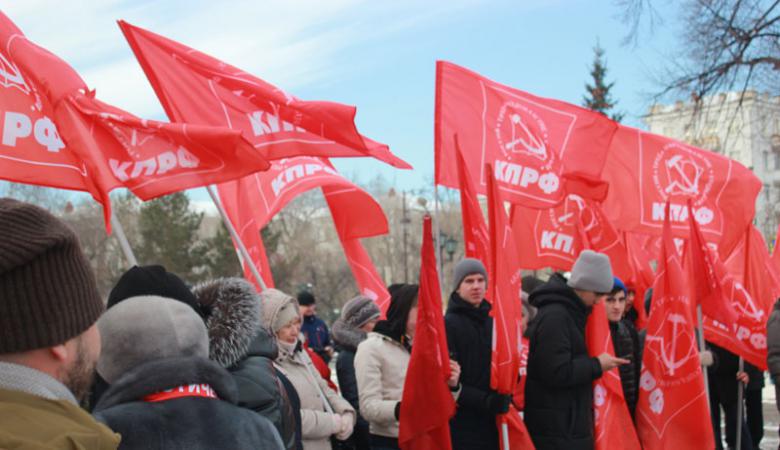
[198, 88]
[534, 144]
[672, 411]
[560, 233]
[645, 171]
[55, 133]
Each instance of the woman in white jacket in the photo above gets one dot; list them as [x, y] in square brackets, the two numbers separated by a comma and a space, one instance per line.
[324, 413]
[380, 366]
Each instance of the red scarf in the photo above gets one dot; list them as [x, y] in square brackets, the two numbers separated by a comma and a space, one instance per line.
[192, 390]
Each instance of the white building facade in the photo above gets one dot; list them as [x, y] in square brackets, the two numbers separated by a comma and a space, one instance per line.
[748, 133]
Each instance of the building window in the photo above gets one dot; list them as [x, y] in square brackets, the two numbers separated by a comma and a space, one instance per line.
[775, 142]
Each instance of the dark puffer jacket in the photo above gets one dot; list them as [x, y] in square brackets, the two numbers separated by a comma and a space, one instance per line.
[625, 340]
[238, 342]
[559, 392]
[469, 338]
[190, 423]
[347, 339]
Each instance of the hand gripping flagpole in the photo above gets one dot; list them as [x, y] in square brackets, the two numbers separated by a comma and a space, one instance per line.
[242, 251]
[119, 232]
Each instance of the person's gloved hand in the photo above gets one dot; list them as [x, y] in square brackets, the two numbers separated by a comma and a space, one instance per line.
[497, 403]
[347, 424]
[705, 358]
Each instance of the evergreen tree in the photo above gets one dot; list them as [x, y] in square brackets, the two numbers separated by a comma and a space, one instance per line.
[222, 258]
[598, 97]
[169, 236]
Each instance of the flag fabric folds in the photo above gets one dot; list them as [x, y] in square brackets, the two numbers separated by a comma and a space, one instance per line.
[198, 88]
[672, 411]
[475, 233]
[427, 404]
[535, 145]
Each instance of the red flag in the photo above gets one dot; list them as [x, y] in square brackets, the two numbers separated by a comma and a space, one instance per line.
[504, 291]
[475, 234]
[531, 142]
[197, 88]
[427, 404]
[240, 210]
[367, 279]
[645, 171]
[642, 275]
[562, 232]
[708, 273]
[672, 412]
[57, 134]
[614, 427]
[760, 279]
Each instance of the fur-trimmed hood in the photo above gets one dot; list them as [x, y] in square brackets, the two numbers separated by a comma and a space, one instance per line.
[234, 321]
[346, 336]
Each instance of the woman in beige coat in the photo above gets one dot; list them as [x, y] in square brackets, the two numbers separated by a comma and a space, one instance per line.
[324, 413]
[380, 366]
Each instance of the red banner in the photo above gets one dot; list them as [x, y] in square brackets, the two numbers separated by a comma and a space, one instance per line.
[427, 404]
[672, 412]
[531, 142]
[614, 427]
[197, 88]
[475, 232]
[55, 133]
[645, 171]
[558, 235]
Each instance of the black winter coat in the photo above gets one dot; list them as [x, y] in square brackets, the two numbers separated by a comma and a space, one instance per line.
[239, 343]
[469, 338]
[625, 340]
[347, 339]
[559, 391]
[190, 423]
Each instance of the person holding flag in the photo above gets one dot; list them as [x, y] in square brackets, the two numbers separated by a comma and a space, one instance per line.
[559, 392]
[469, 337]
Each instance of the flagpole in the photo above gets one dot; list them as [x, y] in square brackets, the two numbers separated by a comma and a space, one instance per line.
[436, 232]
[242, 251]
[505, 434]
[119, 232]
[740, 395]
[702, 348]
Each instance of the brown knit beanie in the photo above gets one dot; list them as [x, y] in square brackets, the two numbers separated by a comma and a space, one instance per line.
[48, 292]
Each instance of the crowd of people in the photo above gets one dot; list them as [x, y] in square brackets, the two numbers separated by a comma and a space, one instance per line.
[161, 364]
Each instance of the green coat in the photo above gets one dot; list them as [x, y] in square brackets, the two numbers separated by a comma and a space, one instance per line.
[35, 423]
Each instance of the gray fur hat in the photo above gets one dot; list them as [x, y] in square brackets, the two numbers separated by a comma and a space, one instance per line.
[359, 311]
[146, 328]
[466, 267]
[592, 272]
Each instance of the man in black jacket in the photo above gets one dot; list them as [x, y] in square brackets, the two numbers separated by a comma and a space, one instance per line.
[469, 337]
[559, 391]
[625, 341]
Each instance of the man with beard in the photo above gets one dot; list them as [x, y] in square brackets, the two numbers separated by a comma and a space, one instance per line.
[49, 341]
[469, 336]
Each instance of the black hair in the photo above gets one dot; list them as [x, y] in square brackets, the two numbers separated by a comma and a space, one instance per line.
[402, 300]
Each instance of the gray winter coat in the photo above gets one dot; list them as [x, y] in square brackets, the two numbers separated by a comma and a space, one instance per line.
[190, 423]
[240, 343]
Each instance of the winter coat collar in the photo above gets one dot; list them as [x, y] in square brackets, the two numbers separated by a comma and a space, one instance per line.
[156, 376]
[234, 322]
[347, 336]
[19, 378]
[459, 306]
[389, 340]
[556, 291]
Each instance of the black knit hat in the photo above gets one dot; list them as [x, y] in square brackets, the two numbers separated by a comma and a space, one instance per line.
[153, 280]
[306, 298]
[48, 292]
